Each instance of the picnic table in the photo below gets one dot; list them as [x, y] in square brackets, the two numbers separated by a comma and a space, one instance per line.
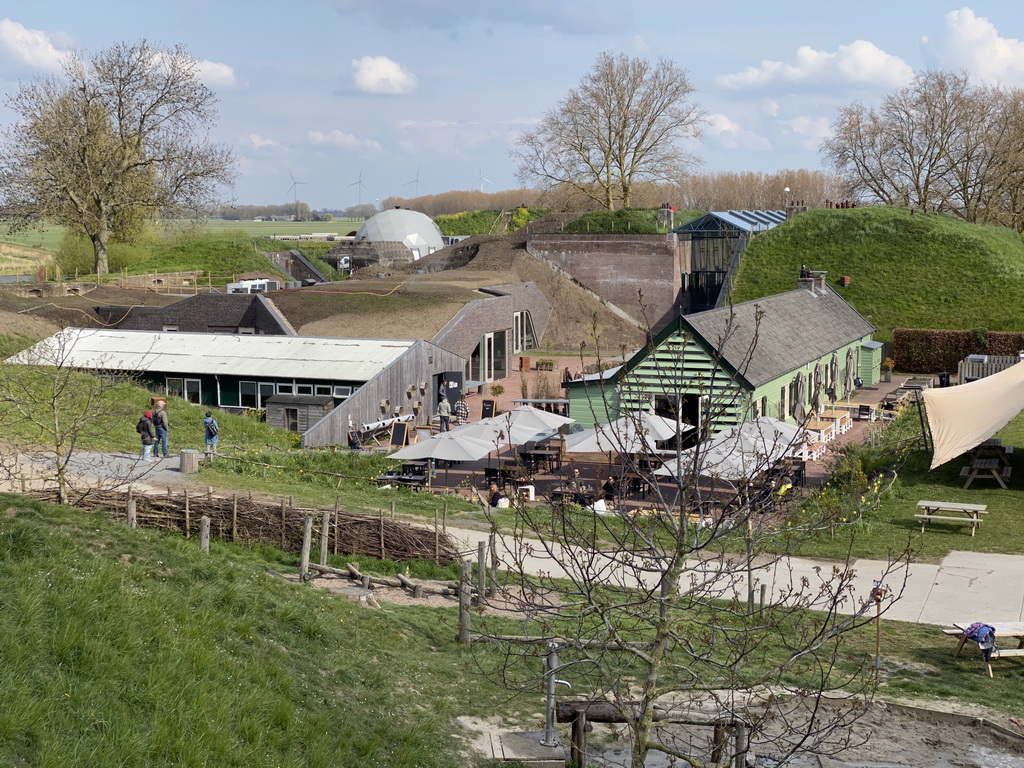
[986, 469]
[953, 511]
[841, 419]
[993, 448]
[1013, 630]
[825, 428]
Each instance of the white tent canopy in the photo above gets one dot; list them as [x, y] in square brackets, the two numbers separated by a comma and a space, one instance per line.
[965, 416]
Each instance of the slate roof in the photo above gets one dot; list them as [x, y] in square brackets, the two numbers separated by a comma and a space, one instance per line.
[795, 328]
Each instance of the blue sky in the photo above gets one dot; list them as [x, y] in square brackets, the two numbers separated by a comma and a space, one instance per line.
[395, 90]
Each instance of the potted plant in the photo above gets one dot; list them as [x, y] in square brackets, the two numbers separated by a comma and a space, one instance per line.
[544, 364]
[887, 367]
[497, 390]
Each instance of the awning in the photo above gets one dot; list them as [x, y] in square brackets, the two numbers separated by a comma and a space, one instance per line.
[965, 416]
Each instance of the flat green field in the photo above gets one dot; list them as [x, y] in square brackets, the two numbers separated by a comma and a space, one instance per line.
[48, 238]
[269, 228]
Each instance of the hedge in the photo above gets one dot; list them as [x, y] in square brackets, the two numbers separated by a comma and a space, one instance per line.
[928, 351]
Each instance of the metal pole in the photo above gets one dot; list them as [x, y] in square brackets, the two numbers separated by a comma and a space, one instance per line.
[551, 662]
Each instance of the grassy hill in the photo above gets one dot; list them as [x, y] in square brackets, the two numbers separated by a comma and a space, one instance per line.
[126, 647]
[907, 271]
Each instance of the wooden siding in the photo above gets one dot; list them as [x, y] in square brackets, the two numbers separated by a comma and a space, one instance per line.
[870, 365]
[418, 365]
[592, 403]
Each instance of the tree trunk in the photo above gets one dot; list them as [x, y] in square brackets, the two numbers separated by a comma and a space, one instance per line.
[99, 247]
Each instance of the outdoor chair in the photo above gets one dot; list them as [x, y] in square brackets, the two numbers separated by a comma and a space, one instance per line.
[864, 413]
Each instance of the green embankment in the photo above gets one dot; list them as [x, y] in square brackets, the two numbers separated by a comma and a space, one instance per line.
[920, 271]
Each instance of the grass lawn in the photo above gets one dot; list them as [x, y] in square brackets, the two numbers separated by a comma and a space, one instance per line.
[270, 228]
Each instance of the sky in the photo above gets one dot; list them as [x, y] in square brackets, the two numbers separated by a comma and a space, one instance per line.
[359, 100]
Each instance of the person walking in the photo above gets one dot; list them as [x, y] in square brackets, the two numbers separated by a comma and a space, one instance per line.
[444, 411]
[461, 412]
[212, 431]
[162, 424]
[145, 430]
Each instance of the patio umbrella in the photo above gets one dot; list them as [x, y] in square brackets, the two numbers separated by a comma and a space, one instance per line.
[818, 405]
[738, 453]
[833, 377]
[850, 371]
[528, 416]
[633, 433]
[498, 433]
[446, 446]
[799, 398]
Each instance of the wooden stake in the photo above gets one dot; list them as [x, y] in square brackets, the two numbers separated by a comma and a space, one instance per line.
[437, 538]
[464, 599]
[234, 517]
[382, 552]
[133, 521]
[307, 541]
[492, 587]
[392, 509]
[481, 569]
[325, 532]
[284, 526]
[337, 505]
[578, 740]
[188, 524]
[444, 517]
[204, 534]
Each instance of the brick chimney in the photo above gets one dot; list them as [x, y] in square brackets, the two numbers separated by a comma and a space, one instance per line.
[811, 280]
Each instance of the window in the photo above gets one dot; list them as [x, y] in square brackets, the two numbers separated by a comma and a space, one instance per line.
[193, 390]
[522, 332]
[247, 394]
[170, 328]
[304, 389]
[784, 403]
[323, 389]
[175, 387]
[341, 392]
[285, 389]
[291, 419]
[246, 331]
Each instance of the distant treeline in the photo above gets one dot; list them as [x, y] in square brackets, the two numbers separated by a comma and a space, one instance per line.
[299, 211]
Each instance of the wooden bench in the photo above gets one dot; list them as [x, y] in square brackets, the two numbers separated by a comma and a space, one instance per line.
[1005, 632]
[971, 513]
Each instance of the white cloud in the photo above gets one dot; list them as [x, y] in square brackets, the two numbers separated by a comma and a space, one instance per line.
[257, 141]
[973, 43]
[859, 62]
[216, 74]
[770, 107]
[811, 130]
[379, 74]
[732, 135]
[338, 138]
[30, 49]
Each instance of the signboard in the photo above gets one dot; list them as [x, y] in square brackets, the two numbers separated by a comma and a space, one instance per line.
[487, 409]
[399, 434]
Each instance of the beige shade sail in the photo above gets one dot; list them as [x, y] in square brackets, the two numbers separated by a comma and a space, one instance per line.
[963, 417]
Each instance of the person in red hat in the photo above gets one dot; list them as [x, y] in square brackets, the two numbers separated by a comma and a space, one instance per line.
[145, 430]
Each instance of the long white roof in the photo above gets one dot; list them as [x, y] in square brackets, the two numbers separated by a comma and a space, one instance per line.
[298, 357]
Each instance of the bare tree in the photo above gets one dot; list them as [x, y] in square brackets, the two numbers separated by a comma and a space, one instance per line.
[622, 124]
[940, 143]
[50, 411]
[655, 609]
[119, 133]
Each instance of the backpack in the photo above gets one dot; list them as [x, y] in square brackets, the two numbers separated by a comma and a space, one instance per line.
[213, 429]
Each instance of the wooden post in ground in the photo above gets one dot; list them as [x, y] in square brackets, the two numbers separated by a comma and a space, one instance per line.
[492, 587]
[307, 541]
[739, 758]
[284, 526]
[718, 744]
[392, 509]
[204, 534]
[464, 599]
[325, 532]
[383, 552]
[437, 538]
[578, 739]
[481, 570]
[188, 522]
[234, 517]
[444, 516]
[133, 521]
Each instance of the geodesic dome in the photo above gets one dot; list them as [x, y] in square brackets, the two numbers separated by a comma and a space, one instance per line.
[416, 231]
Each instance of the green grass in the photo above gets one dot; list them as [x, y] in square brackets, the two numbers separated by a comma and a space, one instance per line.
[268, 228]
[633, 221]
[486, 222]
[130, 648]
[907, 271]
[47, 238]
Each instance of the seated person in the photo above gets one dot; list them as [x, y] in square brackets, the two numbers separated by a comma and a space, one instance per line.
[575, 482]
[496, 496]
[353, 441]
[611, 489]
[785, 485]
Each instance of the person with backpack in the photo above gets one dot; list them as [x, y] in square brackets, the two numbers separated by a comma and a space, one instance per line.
[162, 424]
[212, 431]
[145, 430]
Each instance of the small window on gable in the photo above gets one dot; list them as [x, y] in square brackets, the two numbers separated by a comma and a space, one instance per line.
[342, 392]
[323, 389]
[170, 329]
[246, 331]
[286, 389]
[304, 389]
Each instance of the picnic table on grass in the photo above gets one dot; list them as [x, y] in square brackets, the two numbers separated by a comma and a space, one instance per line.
[1012, 630]
[952, 512]
[986, 469]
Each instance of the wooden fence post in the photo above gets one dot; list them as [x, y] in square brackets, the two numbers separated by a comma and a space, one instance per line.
[234, 517]
[204, 534]
[307, 541]
[437, 538]
[464, 599]
[325, 532]
[740, 755]
[188, 521]
[492, 587]
[383, 553]
[481, 570]
[337, 507]
[284, 525]
[578, 739]
[133, 521]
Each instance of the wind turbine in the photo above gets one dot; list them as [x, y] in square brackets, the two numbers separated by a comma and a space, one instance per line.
[483, 178]
[415, 181]
[358, 184]
[295, 192]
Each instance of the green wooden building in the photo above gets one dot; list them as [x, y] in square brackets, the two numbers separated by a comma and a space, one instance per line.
[725, 366]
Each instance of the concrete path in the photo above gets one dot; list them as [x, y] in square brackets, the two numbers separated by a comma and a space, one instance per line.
[965, 586]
